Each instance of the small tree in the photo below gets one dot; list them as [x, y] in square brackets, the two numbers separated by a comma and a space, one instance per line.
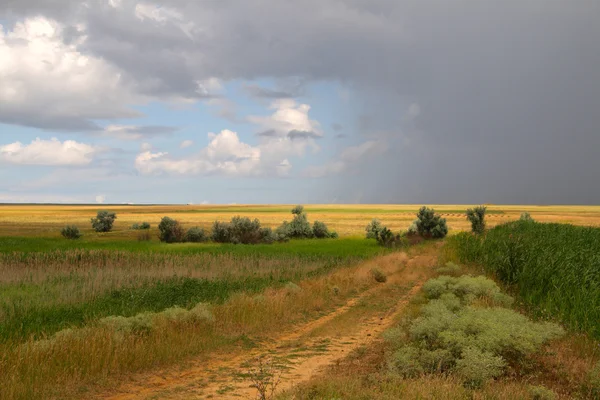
[104, 221]
[430, 225]
[170, 231]
[70, 232]
[476, 216]
[320, 231]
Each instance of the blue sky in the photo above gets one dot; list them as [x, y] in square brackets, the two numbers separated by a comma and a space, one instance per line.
[312, 101]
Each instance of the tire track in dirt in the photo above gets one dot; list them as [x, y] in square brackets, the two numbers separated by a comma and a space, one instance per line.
[301, 356]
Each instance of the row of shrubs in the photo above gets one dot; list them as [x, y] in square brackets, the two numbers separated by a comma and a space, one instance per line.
[240, 230]
[243, 230]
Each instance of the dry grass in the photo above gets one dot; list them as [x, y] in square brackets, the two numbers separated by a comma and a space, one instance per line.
[347, 220]
[95, 353]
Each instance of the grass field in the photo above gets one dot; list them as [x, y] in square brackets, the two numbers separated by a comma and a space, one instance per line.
[76, 316]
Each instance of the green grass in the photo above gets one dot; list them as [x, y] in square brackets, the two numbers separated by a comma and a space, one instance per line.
[555, 267]
[345, 247]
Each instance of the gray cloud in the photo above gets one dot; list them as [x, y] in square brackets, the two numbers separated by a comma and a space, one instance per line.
[296, 134]
[508, 92]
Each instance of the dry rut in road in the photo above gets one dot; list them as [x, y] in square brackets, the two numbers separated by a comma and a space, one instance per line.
[300, 354]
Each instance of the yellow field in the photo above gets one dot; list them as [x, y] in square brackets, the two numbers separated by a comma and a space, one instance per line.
[347, 220]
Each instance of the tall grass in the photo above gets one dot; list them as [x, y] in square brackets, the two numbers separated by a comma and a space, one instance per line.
[555, 267]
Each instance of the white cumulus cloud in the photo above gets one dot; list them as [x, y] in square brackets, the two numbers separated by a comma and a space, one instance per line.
[48, 152]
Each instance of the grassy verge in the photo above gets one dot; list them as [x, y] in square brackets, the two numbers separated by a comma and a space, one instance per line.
[555, 268]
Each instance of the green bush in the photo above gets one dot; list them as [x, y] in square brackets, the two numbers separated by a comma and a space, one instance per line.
[70, 232]
[387, 238]
[104, 221]
[430, 225]
[320, 231]
[195, 235]
[220, 232]
[476, 217]
[373, 229]
[170, 231]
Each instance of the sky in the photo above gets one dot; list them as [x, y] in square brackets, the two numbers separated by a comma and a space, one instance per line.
[300, 101]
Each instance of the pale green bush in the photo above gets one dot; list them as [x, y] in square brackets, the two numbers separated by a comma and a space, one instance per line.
[452, 334]
[476, 366]
[449, 268]
[170, 230]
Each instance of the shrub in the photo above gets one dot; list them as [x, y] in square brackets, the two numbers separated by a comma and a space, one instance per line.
[476, 366]
[541, 393]
[243, 230]
[104, 221]
[142, 226]
[300, 228]
[449, 268]
[170, 231]
[525, 216]
[378, 275]
[195, 235]
[220, 232]
[430, 225]
[70, 232]
[373, 229]
[476, 216]
[387, 238]
[320, 231]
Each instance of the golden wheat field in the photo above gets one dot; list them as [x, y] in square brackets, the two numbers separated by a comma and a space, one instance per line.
[347, 220]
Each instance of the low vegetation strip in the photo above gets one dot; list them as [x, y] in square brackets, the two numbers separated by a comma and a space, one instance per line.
[555, 267]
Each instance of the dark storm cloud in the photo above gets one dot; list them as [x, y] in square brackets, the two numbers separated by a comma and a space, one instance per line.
[508, 91]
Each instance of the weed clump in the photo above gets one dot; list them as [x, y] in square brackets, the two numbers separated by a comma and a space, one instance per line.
[104, 221]
[476, 217]
[71, 232]
[541, 393]
[378, 275]
[170, 230]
